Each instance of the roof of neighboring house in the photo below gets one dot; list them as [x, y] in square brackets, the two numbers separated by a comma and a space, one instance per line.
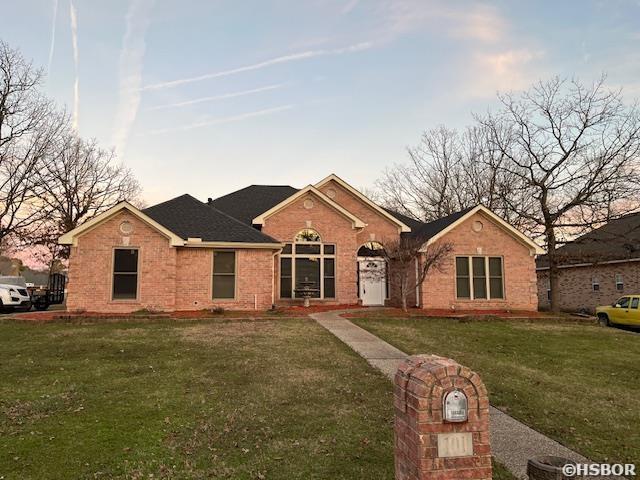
[617, 240]
[427, 230]
[249, 202]
[188, 217]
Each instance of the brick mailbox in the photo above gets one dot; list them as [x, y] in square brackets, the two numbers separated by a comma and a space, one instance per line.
[441, 421]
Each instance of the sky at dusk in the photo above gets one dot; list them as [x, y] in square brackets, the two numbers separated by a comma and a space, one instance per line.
[209, 96]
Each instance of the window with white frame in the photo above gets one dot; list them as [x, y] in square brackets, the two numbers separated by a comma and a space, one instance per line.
[308, 262]
[619, 282]
[479, 278]
[595, 284]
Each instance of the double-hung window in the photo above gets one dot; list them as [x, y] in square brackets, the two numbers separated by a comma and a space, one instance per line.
[479, 278]
[125, 274]
[224, 274]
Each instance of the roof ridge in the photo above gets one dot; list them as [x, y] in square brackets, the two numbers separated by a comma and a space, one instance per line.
[250, 186]
[167, 201]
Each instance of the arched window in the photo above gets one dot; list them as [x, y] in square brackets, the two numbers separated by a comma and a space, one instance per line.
[307, 235]
[371, 249]
[307, 261]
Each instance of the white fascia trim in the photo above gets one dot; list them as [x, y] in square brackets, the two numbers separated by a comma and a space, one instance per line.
[234, 245]
[593, 264]
[377, 208]
[71, 237]
[357, 223]
[534, 248]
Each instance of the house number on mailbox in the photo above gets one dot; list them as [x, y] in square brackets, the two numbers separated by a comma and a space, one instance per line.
[455, 406]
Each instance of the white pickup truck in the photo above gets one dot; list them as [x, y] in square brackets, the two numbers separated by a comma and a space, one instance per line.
[14, 294]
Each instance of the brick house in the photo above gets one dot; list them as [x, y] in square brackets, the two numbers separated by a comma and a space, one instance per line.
[257, 247]
[596, 268]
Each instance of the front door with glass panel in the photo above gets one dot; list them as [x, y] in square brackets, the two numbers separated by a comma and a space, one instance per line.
[372, 281]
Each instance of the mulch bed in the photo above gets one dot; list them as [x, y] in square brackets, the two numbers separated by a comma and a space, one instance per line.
[287, 312]
[471, 315]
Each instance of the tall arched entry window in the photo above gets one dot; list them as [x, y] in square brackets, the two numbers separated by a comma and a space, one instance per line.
[308, 260]
[373, 280]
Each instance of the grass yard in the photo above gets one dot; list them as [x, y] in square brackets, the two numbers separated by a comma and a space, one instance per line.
[277, 399]
[579, 384]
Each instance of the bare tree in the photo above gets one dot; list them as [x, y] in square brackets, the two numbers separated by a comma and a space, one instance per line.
[410, 260]
[447, 172]
[573, 151]
[79, 181]
[29, 125]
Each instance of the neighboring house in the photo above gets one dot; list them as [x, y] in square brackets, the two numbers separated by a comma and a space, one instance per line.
[255, 247]
[596, 268]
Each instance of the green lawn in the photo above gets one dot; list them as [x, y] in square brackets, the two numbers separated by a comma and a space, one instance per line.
[277, 399]
[579, 384]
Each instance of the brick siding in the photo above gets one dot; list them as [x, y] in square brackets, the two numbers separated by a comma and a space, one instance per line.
[180, 278]
[169, 278]
[519, 276]
[575, 286]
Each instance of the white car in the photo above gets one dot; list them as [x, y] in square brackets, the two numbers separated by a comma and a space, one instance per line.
[14, 294]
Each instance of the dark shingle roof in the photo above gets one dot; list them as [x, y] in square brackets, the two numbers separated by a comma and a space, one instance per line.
[188, 217]
[617, 240]
[412, 223]
[251, 201]
[430, 229]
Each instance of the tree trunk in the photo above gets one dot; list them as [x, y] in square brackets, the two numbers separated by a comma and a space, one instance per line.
[403, 294]
[553, 269]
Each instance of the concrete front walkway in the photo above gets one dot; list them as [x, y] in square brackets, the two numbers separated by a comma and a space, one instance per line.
[512, 442]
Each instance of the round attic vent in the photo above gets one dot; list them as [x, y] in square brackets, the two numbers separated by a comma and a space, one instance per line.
[308, 204]
[477, 226]
[331, 193]
[126, 228]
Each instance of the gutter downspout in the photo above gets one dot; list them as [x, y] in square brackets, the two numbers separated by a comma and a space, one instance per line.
[417, 286]
[273, 277]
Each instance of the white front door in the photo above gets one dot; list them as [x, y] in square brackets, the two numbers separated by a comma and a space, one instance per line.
[372, 281]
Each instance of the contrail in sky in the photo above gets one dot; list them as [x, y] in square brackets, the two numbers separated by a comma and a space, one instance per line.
[267, 63]
[219, 97]
[74, 42]
[131, 62]
[223, 120]
[53, 34]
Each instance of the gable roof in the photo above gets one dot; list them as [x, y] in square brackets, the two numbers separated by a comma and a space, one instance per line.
[185, 221]
[249, 202]
[617, 240]
[435, 230]
[364, 199]
[357, 223]
[190, 218]
[70, 238]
